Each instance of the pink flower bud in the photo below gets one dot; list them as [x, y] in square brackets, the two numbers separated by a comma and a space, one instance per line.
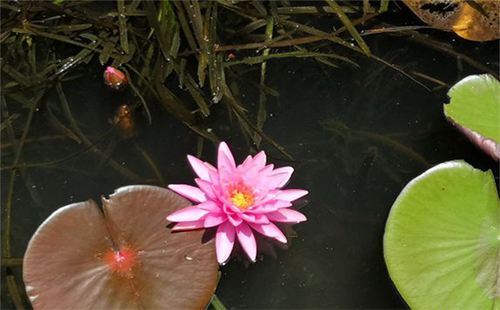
[115, 79]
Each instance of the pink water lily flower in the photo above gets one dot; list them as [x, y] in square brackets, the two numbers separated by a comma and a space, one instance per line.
[239, 199]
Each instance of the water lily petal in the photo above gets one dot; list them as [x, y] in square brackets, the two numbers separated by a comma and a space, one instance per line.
[291, 194]
[234, 219]
[199, 167]
[226, 176]
[266, 208]
[188, 214]
[206, 187]
[269, 230]
[189, 225]
[212, 220]
[270, 195]
[254, 218]
[247, 240]
[228, 207]
[225, 157]
[259, 160]
[275, 180]
[214, 179]
[288, 171]
[278, 204]
[246, 164]
[188, 191]
[224, 242]
[267, 169]
[210, 206]
[286, 215]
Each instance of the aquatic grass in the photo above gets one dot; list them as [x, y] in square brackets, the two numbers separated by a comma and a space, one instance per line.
[139, 95]
[57, 37]
[185, 25]
[384, 6]
[154, 167]
[344, 43]
[18, 144]
[13, 288]
[57, 124]
[298, 54]
[7, 121]
[239, 111]
[262, 111]
[291, 10]
[350, 27]
[122, 23]
[253, 26]
[199, 28]
[16, 75]
[215, 61]
[12, 285]
[433, 44]
[217, 303]
[10, 262]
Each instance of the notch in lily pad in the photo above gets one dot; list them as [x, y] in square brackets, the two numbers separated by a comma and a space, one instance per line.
[474, 109]
[442, 239]
[122, 258]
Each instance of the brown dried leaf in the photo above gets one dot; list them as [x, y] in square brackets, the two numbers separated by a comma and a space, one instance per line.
[473, 20]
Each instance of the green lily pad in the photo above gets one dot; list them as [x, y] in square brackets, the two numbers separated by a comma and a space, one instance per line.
[442, 240]
[475, 109]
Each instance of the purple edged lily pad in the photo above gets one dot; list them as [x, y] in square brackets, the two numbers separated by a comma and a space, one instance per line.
[474, 109]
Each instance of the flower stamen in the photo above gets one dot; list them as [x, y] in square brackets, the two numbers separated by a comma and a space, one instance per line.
[241, 196]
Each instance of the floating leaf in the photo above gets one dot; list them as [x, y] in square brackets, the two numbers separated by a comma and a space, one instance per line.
[442, 240]
[124, 258]
[475, 109]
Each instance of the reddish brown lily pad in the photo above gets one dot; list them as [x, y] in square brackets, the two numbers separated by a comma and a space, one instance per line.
[124, 258]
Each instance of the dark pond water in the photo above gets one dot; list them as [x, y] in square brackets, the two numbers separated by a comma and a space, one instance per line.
[357, 135]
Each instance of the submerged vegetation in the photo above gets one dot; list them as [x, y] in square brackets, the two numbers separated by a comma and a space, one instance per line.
[189, 58]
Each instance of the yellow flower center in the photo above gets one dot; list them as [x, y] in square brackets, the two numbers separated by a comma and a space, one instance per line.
[241, 196]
